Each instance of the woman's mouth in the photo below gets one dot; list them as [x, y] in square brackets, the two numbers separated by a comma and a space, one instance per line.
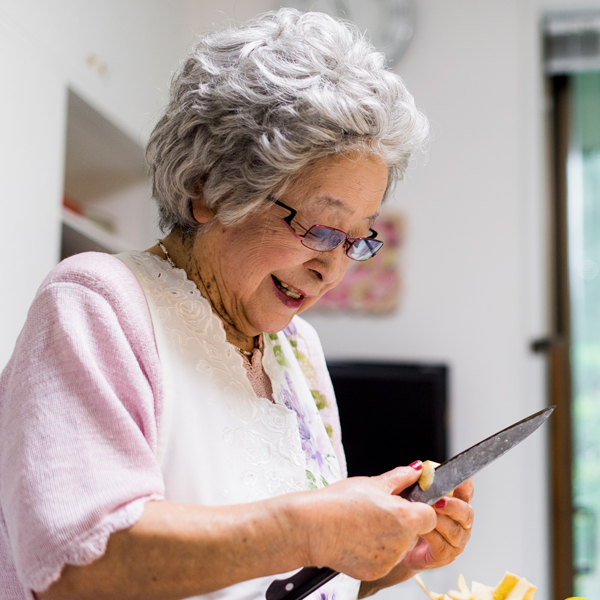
[288, 290]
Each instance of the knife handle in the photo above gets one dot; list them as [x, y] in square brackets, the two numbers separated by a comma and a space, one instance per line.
[301, 584]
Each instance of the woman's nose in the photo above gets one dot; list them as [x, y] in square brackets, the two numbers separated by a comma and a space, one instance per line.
[329, 266]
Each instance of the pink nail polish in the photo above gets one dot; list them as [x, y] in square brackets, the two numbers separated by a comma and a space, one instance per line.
[440, 503]
[417, 465]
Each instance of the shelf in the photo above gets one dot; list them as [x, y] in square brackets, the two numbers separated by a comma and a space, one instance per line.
[100, 158]
[105, 175]
[79, 234]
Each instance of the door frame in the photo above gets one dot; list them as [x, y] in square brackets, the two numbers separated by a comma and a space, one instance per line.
[559, 365]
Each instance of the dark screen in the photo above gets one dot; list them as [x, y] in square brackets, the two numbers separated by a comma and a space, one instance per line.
[391, 414]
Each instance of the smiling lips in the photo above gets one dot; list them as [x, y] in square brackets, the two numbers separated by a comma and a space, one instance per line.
[288, 290]
[292, 294]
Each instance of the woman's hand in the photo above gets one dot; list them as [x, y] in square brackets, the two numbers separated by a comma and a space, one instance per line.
[361, 527]
[453, 530]
[438, 547]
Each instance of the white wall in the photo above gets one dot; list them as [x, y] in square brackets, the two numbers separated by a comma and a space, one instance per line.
[31, 148]
[203, 15]
[44, 48]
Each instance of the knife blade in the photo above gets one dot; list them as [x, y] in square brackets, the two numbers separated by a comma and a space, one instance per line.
[448, 476]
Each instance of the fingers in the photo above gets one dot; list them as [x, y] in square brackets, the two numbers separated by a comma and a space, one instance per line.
[452, 532]
[400, 478]
[465, 491]
[454, 521]
[442, 545]
[457, 510]
[419, 517]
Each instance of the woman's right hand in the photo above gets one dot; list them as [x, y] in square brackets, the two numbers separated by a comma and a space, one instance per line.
[361, 527]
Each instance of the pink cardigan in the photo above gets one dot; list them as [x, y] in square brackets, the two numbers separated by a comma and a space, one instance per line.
[80, 403]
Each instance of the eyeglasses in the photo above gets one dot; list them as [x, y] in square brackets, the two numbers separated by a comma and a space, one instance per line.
[325, 239]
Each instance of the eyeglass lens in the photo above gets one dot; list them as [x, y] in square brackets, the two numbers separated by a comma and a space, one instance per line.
[363, 249]
[325, 239]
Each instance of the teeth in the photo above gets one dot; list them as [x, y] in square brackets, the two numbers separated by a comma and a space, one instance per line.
[287, 290]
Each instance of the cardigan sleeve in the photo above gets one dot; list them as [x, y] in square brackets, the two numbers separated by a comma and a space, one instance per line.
[79, 408]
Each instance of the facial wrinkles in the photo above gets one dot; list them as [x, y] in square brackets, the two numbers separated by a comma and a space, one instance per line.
[232, 304]
[331, 202]
[323, 209]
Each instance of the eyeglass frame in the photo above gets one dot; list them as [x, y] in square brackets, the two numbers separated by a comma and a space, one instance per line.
[347, 243]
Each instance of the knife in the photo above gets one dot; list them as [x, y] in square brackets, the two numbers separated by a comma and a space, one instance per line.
[448, 476]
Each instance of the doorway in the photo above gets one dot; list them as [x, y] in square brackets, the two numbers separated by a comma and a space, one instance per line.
[575, 352]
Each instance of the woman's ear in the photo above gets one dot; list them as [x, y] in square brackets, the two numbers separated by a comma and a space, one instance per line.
[202, 213]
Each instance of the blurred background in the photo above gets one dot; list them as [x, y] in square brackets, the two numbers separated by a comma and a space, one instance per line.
[500, 257]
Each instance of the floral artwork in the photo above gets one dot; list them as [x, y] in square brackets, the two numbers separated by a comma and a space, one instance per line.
[372, 286]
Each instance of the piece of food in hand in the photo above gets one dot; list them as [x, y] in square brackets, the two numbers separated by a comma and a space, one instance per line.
[511, 587]
[427, 474]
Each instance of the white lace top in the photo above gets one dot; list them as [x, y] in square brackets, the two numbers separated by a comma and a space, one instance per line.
[219, 443]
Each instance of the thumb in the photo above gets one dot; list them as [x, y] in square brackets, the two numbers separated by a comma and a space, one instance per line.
[400, 478]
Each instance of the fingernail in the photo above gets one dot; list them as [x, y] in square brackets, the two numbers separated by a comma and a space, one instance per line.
[417, 465]
[440, 503]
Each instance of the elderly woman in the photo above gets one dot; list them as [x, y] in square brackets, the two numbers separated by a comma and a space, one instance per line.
[168, 428]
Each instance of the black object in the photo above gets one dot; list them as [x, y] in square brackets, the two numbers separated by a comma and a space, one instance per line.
[300, 584]
[391, 413]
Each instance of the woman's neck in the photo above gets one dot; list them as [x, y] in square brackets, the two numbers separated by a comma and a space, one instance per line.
[186, 253]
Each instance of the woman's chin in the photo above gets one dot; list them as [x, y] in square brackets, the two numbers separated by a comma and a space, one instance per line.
[274, 322]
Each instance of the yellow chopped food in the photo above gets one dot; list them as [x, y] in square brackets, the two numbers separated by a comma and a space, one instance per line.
[502, 590]
[426, 478]
[511, 587]
[462, 584]
[454, 595]
[427, 474]
[482, 592]
[432, 595]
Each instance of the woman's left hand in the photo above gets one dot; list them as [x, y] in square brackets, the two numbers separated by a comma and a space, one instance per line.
[437, 548]
[442, 545]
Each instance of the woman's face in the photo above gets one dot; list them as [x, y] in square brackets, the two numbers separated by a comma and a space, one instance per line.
[247, 268]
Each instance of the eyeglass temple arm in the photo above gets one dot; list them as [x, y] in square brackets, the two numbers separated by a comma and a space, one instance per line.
[288, 220]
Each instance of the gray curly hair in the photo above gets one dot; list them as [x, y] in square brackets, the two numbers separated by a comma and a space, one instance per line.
[253, 106]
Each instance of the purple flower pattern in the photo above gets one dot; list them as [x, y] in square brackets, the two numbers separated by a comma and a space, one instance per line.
[290, 400]
[317, 448]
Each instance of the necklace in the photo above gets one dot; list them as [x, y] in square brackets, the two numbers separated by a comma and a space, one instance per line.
[166, 253]
[246, 353]
[249, 353]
